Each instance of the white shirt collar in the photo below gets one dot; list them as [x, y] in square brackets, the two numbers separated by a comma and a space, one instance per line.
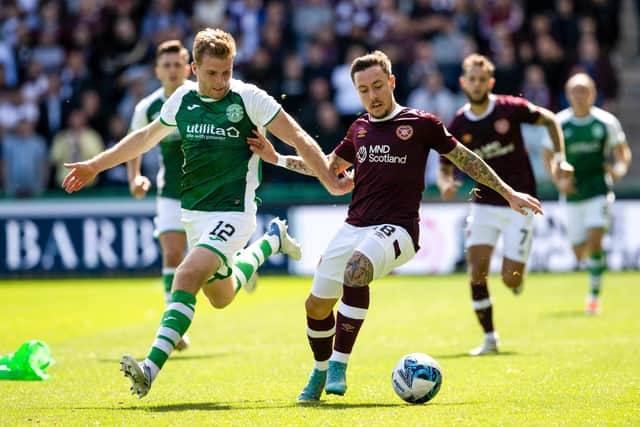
[469, 114]
[394, 113]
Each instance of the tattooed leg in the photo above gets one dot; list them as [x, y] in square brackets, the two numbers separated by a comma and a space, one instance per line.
[353, 307]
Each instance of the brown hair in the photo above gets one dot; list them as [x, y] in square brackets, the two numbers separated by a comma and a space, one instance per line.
[172, 46]
[214, 42]
[476, 60]
[370, 60]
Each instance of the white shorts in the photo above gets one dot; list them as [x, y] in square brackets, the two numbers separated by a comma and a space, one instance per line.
[224, 233]
[486, 223]
[586, 214]
[168, 215]
[387, 247]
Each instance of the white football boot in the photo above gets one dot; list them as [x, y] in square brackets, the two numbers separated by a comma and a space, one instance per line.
[489, 346]
[288, 245]
[139, 374]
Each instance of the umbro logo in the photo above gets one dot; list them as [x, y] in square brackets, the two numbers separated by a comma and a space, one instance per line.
[192, 107]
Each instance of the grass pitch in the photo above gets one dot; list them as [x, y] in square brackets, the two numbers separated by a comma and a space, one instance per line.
[248, 362]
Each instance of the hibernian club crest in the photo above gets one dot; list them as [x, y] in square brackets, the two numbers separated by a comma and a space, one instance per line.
[235, 113]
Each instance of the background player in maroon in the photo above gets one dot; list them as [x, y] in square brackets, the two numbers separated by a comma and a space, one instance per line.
[388, 148]
[489, 125]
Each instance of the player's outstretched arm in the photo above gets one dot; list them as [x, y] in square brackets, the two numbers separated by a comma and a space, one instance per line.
[287, 129]
[131, 146]
[261, 146]
[471, 164]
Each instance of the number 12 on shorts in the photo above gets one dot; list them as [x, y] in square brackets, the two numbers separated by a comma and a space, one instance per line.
[223, 231]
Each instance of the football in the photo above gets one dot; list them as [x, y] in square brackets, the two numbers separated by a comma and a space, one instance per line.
[416, 378]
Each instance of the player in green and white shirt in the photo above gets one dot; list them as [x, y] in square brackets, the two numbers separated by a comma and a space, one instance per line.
[591, 135]
[172, 68]
[220, 176]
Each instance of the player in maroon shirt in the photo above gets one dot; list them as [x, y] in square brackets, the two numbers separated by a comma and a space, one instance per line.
[388, 149]
[489, 125]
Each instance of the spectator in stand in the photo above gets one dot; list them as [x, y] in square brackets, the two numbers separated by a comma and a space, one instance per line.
[90, 104]
[449, 49]
[35, 82]
[600, 69]
[311, 17]
[14, 108]
[423, 62]
[292, 87]
[551, 58]
[76, 143]
[565, 26]
[508, 73]
[317, 63]
[319, 92]
[535, 88]
[346, 97]
[25, 164]
[328, 129]
[116, 176]
[52, 108]
[162, 15]
[75, 76]
[433, 97]
[48, 51]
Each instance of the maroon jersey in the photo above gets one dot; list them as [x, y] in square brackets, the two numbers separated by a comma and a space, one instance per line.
[389, 157]
[496, 137]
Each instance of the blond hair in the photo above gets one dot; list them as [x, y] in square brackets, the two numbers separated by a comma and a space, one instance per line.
[369, 60]
[214, 42]
[580, 79]
[476, 60]
[172, 46]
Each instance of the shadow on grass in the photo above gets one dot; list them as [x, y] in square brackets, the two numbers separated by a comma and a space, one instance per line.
[193, 406]
[175, 357]
[262, 404]
[324, 404]
[567, 314]
[467, 355]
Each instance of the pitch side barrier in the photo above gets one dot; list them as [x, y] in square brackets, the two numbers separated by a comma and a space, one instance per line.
[115, 237]
[442, 238]
[89, 237]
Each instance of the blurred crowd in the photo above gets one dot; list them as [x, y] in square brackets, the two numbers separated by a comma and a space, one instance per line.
[71, 71]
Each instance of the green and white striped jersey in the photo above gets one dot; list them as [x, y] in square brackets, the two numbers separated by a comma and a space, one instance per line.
[220, 173]
[171, 158]
[588, 142]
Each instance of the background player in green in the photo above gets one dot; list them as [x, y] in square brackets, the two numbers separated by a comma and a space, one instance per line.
[172, 69]
[220, 175]
[590, 135]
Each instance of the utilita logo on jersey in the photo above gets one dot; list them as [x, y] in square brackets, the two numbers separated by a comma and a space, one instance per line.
[379, 154]
[210, 131]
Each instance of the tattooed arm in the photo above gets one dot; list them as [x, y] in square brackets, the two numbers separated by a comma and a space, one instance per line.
[337, 165]
[471, 164]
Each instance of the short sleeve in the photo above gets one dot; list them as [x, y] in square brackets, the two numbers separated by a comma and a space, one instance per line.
[139, 119]
[346, 149]
[261, 107]
[440, 139]
[172, 105]
[615, 134]
[523, 110]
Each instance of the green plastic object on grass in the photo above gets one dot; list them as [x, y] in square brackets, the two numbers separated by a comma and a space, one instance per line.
[27, 363]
